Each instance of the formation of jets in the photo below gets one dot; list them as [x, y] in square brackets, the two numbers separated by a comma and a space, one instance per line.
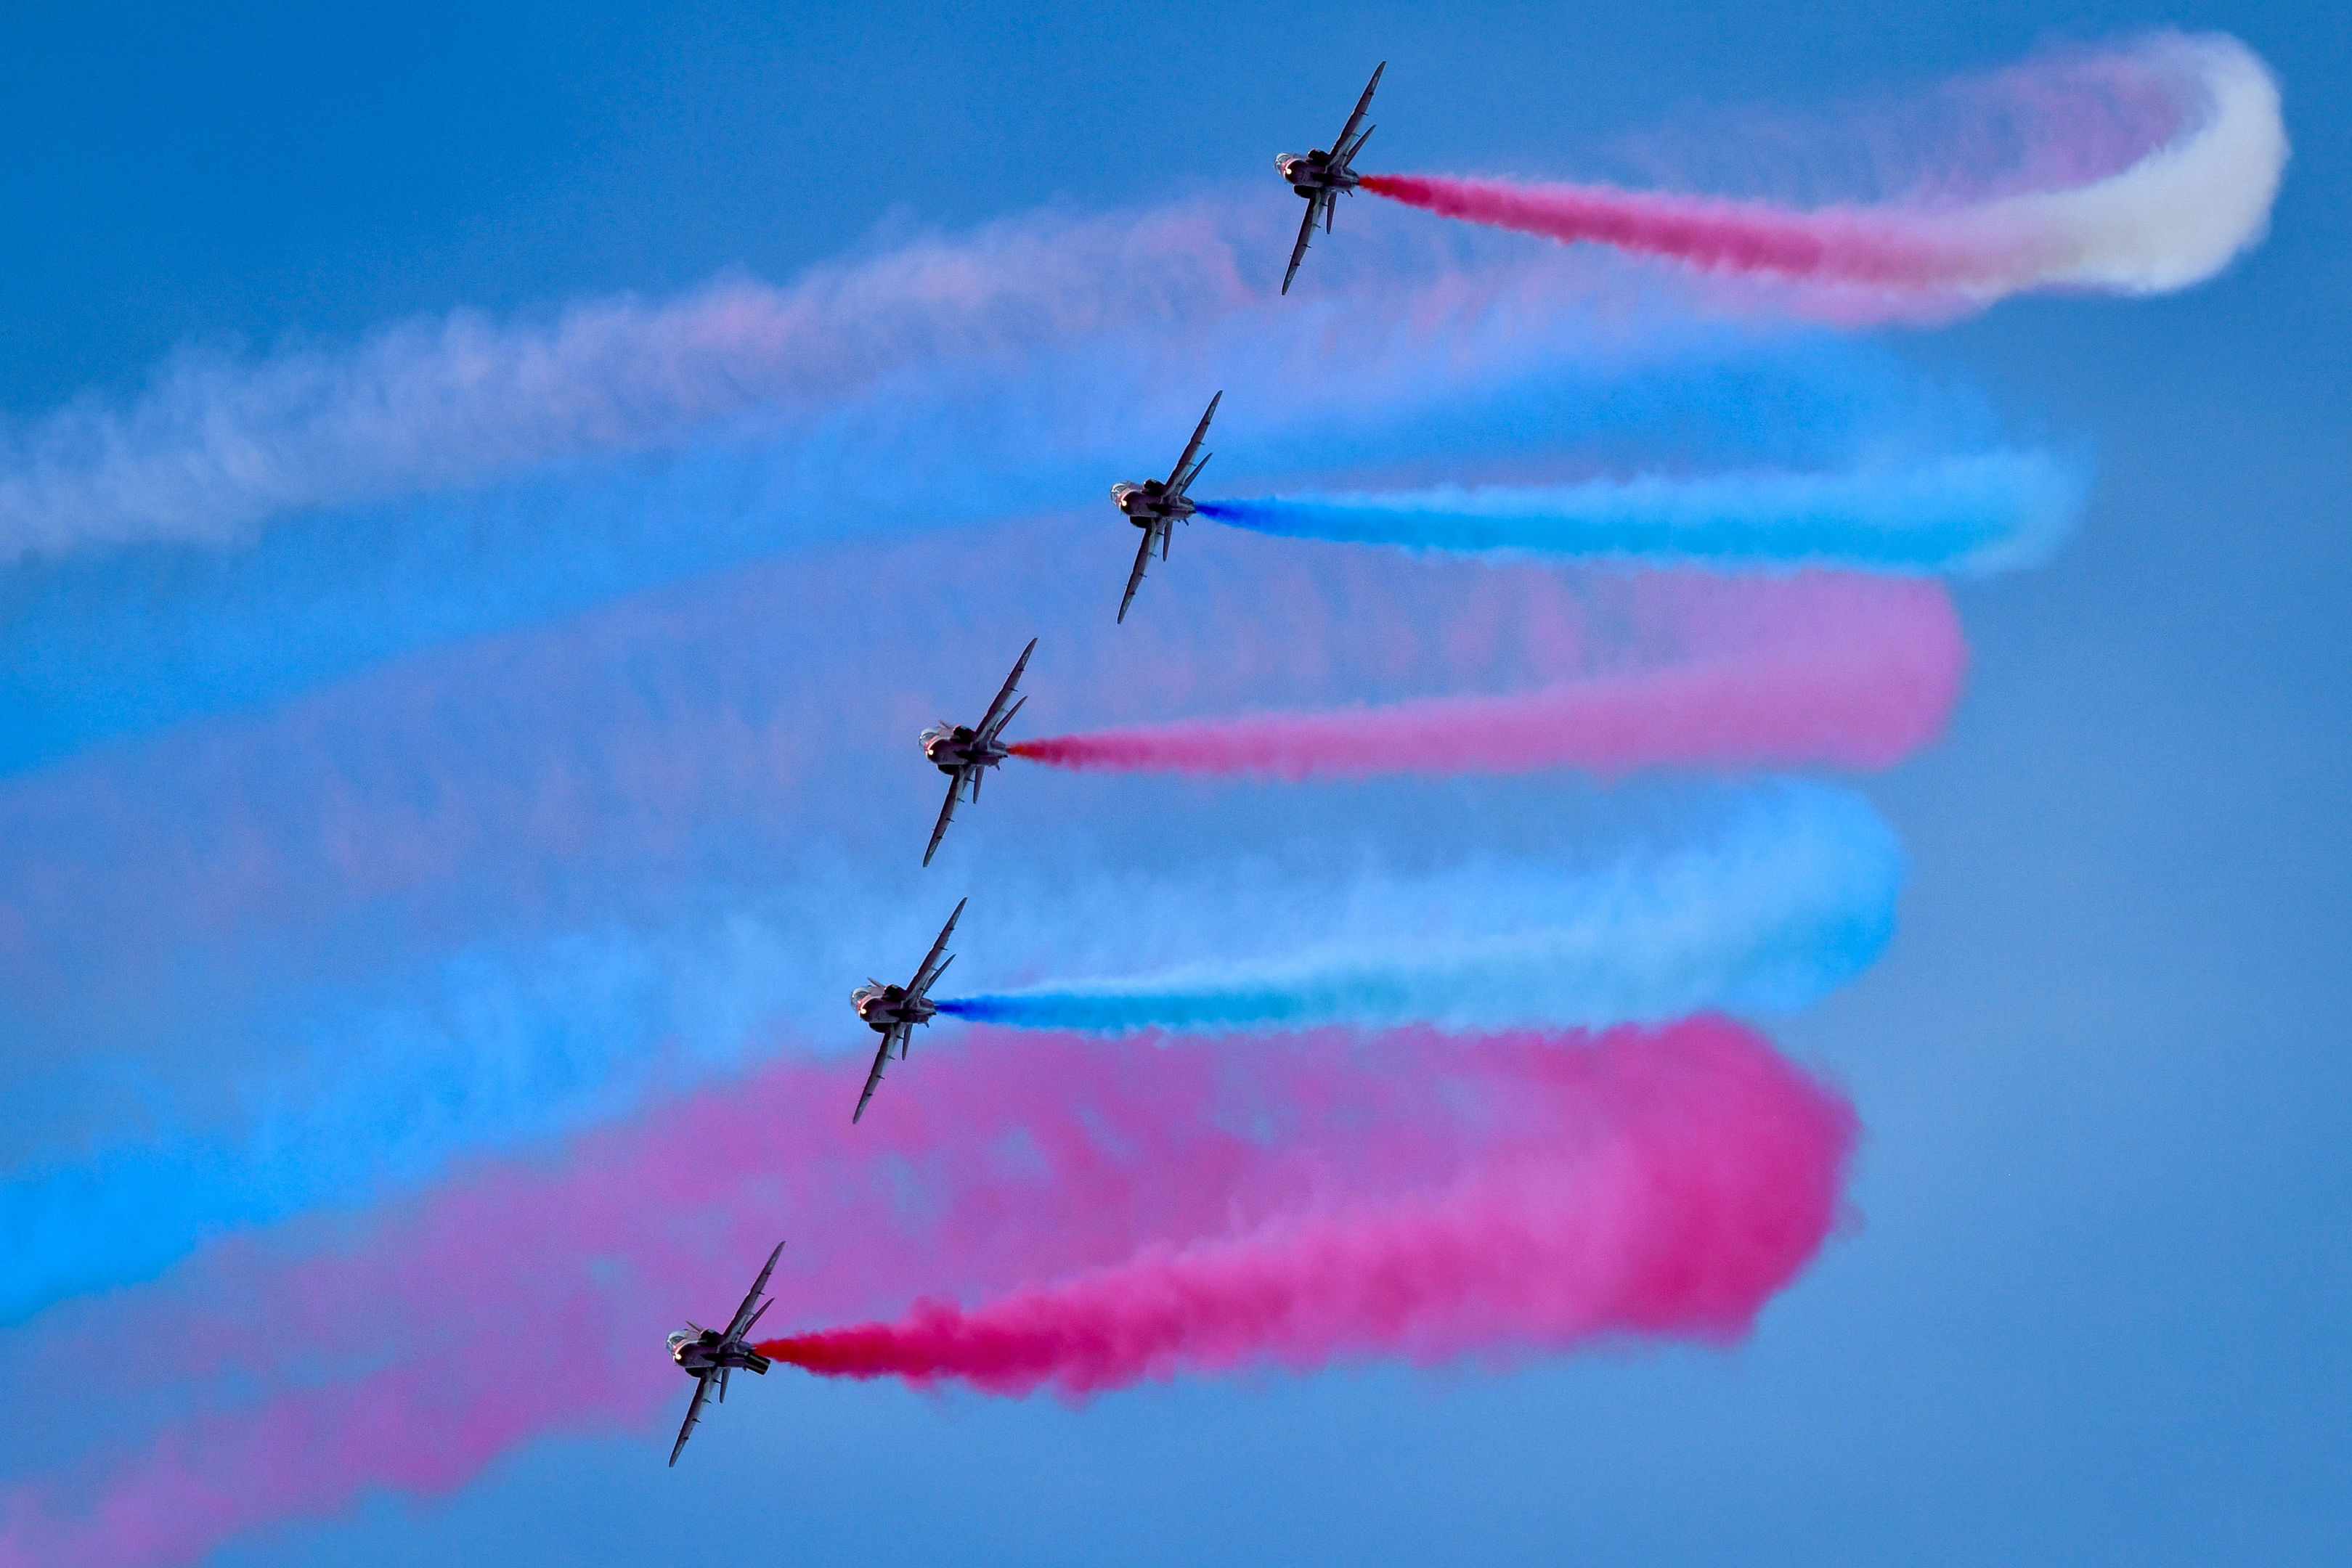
[966, 752]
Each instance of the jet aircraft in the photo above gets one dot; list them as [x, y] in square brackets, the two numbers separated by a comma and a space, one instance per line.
[1155, 505]
[893, 1011]
[1321, 176]
[708, 1353]
[965, 751]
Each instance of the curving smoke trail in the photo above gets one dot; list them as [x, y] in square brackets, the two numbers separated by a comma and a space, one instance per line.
[1615, 1227]
[2174, 218]
[1791, 899]
[1335, 1177]
[1851, 673]
[1964, 515]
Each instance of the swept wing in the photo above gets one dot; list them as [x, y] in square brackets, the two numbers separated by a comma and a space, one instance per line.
[1344, 146]
[741, 1322]
[1314, 207]
[990, 735]
[1349, 156]
[994, 719]
[1182, 475]
[896, 1034]
[947, 812]
[931, 965]
[1142, 558]
[693, 1414]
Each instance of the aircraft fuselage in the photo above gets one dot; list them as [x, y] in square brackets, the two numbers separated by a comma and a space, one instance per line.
[885, 1008]
[952, 747]
[1310, 173]
[1149, 502]
[697, 1353]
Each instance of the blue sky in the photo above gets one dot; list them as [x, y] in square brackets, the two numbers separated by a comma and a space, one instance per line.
[2095, 1310]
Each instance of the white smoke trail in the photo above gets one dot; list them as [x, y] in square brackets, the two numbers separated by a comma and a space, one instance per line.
[215, 443]
[2178, 216]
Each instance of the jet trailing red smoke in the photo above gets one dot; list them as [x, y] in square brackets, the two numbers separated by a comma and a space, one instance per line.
[2173, 217]
[1825, 669]
[1657, 1184]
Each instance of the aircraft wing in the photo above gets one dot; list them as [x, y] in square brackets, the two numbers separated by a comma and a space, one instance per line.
[1142, 559]
[693, 1414]
[947, 813]
[996, 714]
[1199, 431]
[1339, 150]
[992, 732]
[931, 965]
[750, 1307]
[1305, 233]
[873, 1078]
[907, 1032]
[1184, 482]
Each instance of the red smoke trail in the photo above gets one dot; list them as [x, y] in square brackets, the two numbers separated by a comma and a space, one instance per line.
[546, 766]
[1399, 1172]
[1841, 245]
[1663, 1187]
[1837, 671]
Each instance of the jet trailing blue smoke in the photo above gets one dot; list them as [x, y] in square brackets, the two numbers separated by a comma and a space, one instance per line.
[1793, 898]
[1962, 516]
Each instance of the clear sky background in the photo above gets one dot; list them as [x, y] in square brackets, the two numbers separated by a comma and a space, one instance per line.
[2098, 1305]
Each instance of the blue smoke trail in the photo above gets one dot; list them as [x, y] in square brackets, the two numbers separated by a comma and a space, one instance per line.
[1796, 898]
[1966, 516]
[1760, 898]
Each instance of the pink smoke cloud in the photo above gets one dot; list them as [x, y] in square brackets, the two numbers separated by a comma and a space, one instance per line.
[1846, 672]
[1671, 1203]
[1696, 1170]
